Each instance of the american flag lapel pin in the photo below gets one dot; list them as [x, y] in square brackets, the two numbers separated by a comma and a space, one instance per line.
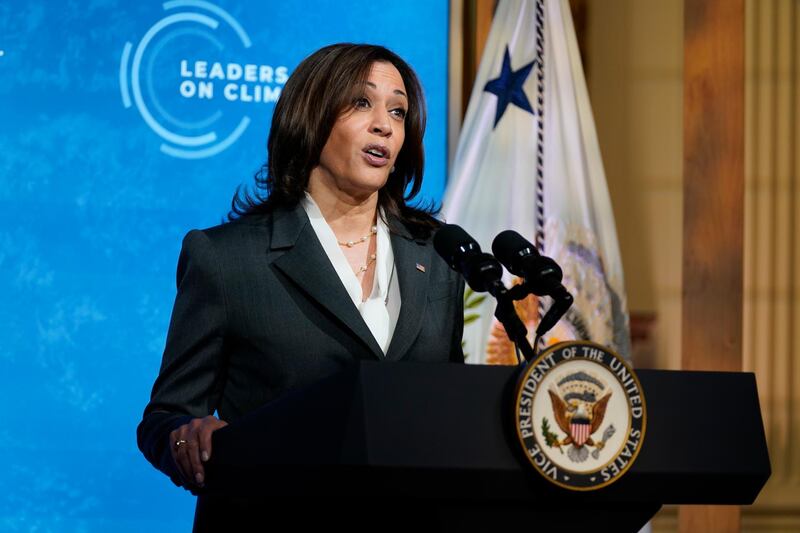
[421, 268]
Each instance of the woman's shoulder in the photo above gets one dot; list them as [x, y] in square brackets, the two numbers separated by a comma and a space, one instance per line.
[416, 224]
[240, 233]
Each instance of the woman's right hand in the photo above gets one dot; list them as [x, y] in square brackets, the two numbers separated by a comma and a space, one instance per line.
[191, 447]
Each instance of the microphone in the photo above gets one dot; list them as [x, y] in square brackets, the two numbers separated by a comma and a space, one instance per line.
[483, 273]
[463, 253]
[542, 274]
[520, 257]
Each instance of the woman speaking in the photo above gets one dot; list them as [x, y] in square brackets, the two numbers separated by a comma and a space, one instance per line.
[324, 265]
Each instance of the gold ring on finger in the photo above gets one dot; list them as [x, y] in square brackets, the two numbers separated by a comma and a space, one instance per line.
[179, 443]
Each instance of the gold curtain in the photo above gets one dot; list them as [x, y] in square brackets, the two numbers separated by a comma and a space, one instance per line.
[772, 250]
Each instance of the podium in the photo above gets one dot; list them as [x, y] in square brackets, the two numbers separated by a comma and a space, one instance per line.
[399, 446]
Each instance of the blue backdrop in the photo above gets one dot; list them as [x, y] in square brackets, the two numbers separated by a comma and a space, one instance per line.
[122, 126]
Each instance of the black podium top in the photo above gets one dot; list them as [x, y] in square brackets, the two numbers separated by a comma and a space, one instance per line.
[430, 430]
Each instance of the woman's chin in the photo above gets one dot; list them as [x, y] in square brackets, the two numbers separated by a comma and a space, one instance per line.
[365, 187]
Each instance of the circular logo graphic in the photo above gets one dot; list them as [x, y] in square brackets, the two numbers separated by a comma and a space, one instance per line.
[580, 415]
[190, 83]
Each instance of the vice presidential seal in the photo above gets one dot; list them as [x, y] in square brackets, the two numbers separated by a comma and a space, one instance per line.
[580, 415]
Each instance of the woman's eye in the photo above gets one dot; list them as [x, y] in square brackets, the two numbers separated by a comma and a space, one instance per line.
[399, 112]
[361, 103]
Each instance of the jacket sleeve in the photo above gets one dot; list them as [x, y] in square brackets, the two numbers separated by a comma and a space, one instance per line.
[190, 381]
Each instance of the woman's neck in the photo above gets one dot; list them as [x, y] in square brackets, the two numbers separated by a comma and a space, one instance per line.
[350, 218]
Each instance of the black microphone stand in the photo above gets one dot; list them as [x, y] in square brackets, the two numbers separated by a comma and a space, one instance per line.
[561, 302]
[507, 315]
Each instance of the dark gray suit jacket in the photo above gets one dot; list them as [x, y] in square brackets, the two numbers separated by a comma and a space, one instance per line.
[260, 310]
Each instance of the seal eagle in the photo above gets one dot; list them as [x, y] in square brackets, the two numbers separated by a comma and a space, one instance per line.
[570, 418]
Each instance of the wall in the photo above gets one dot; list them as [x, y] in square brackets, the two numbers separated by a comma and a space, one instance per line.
[634, 65]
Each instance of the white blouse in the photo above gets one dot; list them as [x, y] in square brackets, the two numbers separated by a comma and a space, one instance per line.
[381, 309]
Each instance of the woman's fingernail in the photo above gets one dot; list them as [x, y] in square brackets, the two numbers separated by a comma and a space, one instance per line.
[204, 455]
[198, 477]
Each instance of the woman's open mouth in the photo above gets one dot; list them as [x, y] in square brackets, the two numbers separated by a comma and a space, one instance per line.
[376, 155]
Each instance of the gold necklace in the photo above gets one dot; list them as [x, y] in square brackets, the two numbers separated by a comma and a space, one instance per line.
[364, 268]
[350, 244]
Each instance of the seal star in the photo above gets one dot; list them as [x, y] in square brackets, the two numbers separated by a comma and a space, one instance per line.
[508, 87]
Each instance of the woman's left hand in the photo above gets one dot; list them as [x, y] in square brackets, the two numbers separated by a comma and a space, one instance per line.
[191, 447]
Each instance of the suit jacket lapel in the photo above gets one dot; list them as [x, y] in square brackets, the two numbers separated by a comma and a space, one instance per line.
[305, 263]
[408, 253]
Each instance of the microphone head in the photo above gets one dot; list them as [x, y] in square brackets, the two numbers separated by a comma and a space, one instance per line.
[512, 249]
[522, 259]
[463, 253]
[550, 274]
[454, 245]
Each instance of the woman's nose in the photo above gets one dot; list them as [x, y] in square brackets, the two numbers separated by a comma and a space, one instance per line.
[381, 125]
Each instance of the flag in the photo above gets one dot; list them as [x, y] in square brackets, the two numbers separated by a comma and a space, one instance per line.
[528, 159]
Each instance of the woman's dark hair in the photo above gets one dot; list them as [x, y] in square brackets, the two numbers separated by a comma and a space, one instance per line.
[323, 86]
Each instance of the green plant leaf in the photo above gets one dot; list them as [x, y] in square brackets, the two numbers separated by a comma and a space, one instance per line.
[469, 319]
[473, 300]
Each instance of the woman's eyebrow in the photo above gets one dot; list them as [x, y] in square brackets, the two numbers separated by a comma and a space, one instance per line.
[396, 91]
